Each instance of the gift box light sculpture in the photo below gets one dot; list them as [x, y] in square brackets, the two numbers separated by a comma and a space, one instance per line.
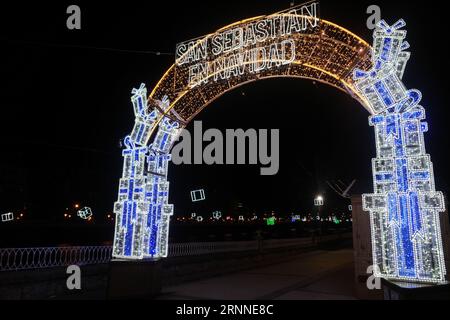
[404, 208]
[142, 208]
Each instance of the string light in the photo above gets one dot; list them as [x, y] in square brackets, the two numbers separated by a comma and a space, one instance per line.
[404, 208]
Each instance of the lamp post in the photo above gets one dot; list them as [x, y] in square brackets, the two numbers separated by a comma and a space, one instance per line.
[318, 202]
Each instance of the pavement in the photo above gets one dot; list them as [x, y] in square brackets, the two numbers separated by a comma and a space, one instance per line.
[318, 275]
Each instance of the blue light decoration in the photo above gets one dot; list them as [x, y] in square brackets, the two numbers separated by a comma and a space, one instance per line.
[142, 209]
[404, 208]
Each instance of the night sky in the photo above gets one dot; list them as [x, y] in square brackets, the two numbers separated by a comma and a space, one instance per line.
[66, 105]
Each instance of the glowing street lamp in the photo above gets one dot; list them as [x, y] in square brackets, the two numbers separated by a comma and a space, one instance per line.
[318, 201]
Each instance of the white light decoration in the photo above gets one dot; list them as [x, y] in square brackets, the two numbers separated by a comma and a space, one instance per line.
[198, 195]
[217, 215]
[404, 208]
[85, 213]
[193, 215]
[199, 219]
[233, 52]
[318, 201]
[241, 218]
[142, 209]
[6, 217]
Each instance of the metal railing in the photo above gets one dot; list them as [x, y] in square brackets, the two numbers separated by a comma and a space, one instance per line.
[39, 258]
[12, 259]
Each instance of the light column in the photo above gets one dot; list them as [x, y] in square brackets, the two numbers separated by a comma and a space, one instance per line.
[404, 208]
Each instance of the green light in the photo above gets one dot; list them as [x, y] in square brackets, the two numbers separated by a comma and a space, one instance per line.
[336, 220]
[271, 221]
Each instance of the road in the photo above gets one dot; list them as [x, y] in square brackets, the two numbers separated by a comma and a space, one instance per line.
[318, 275]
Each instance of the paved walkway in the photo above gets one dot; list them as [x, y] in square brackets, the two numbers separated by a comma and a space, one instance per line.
[319, 275]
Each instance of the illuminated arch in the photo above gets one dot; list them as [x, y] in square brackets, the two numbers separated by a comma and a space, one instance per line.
[404, 208]
[327, 53]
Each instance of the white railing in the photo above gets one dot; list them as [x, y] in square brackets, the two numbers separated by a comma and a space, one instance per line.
[12, 259]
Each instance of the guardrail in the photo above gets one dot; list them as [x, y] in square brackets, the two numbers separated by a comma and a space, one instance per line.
[12, 259]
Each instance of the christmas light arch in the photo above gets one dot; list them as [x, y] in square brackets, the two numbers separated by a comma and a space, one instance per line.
[404, 208]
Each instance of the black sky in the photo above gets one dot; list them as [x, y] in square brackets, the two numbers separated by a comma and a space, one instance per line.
[65, 106]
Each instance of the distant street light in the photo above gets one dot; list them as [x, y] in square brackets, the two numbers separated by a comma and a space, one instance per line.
[318, 201]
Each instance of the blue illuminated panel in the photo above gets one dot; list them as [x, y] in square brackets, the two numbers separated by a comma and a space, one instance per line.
[406, 238]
